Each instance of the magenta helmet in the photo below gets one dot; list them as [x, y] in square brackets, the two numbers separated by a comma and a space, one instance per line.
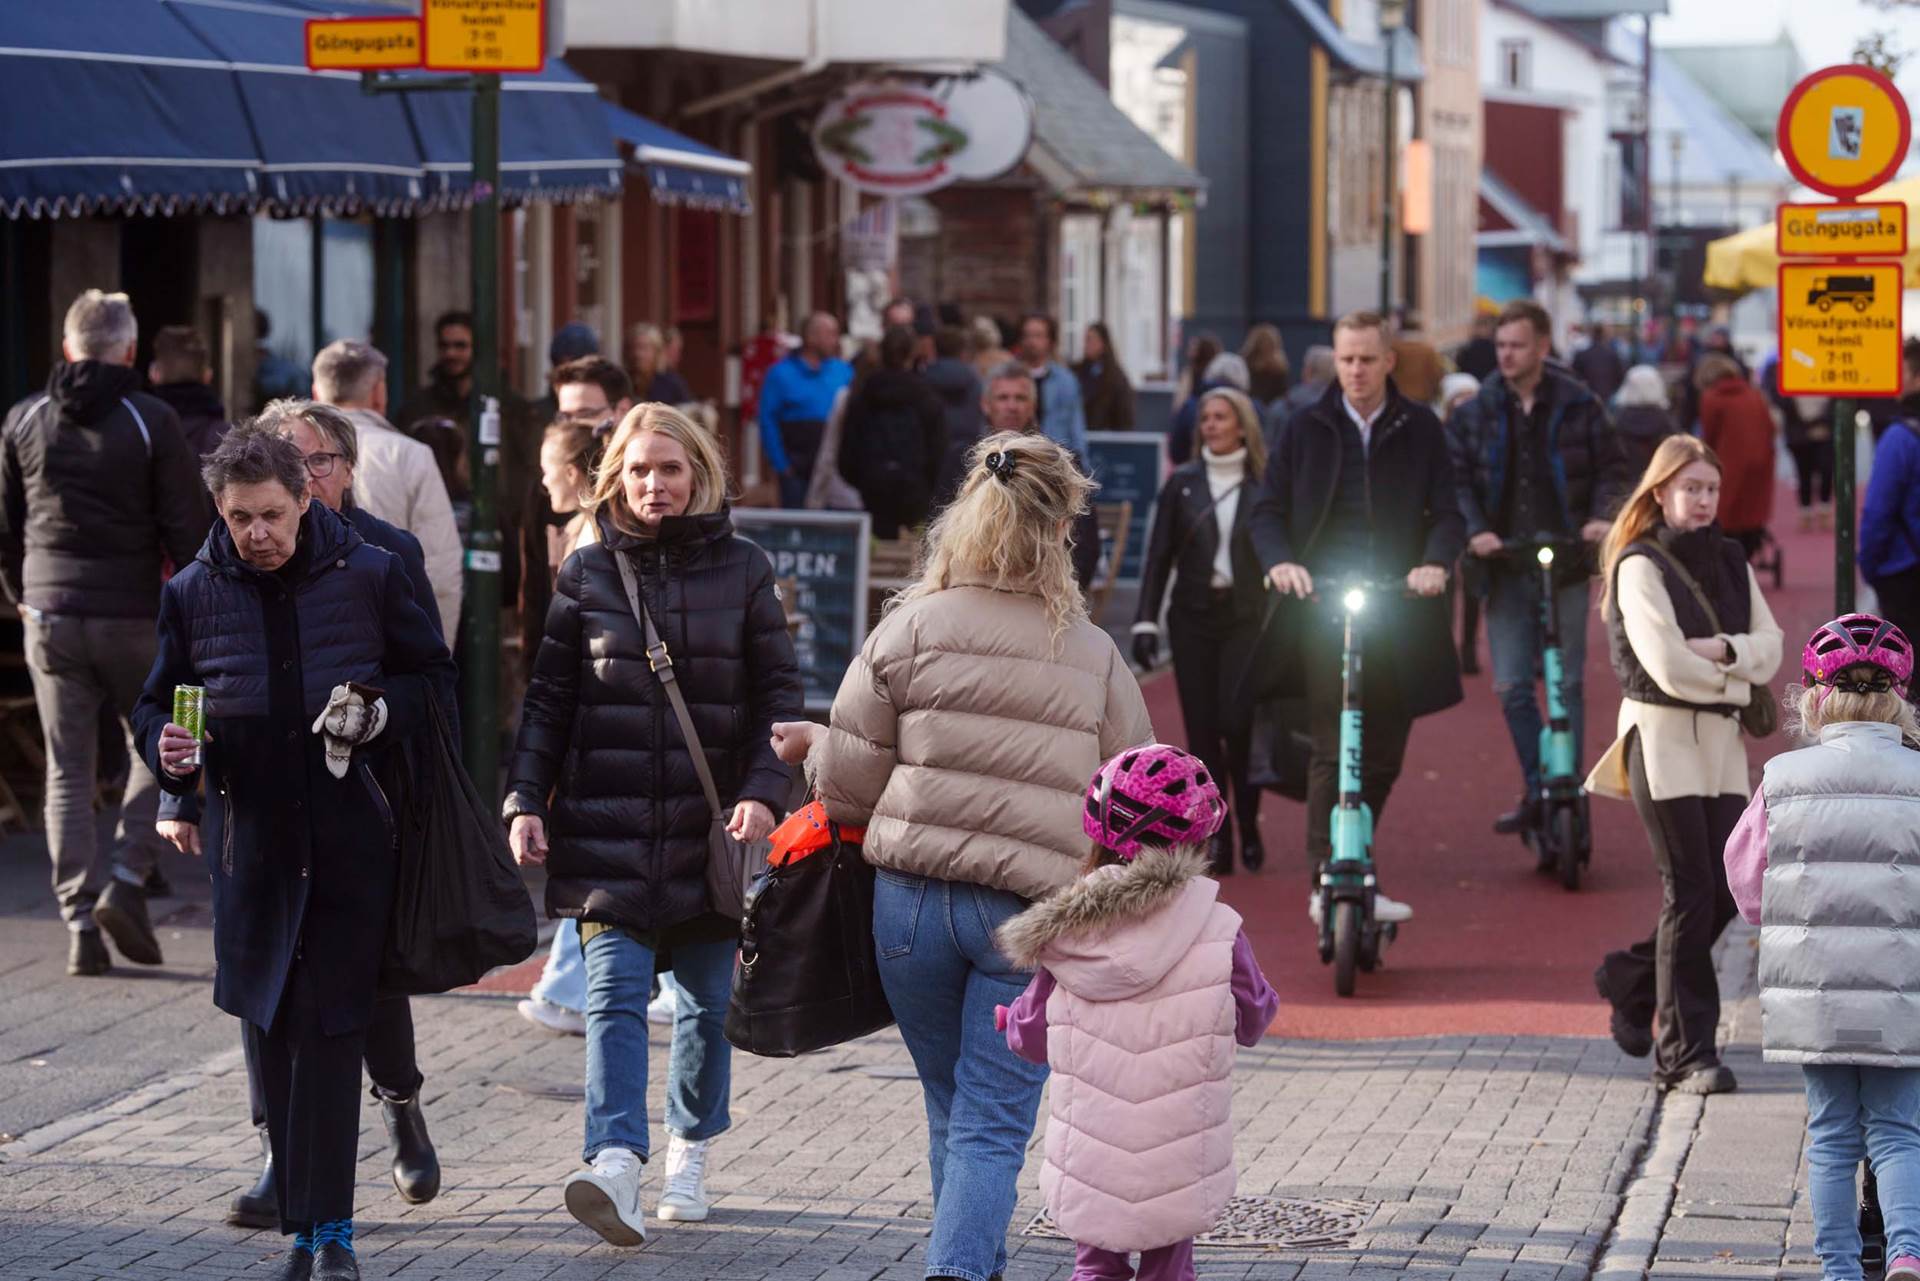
[1853, 640]
[1152, 790]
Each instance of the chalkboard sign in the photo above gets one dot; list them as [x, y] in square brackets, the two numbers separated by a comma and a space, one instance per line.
[1130, 466]
[825, 554]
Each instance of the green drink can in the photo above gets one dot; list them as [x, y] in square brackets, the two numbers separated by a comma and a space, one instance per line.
[190, 713]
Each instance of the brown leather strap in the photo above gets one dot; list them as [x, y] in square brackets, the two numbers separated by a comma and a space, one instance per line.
[662, 664]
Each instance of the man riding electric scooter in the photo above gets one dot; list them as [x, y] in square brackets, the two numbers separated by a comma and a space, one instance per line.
[1538, 463]
[1359, 486]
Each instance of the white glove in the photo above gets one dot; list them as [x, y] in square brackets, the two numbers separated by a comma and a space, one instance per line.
[348, 720]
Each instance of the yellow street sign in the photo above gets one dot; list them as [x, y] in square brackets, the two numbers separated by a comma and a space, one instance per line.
[485, 35]
[1844, 130]
[1840, 329]
[1853, 231]
[363, 44]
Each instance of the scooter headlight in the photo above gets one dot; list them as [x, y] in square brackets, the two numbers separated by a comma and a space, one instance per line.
[1546, 557]
[1355, 600]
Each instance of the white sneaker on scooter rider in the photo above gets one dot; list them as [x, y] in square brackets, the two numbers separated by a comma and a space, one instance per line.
[1384, 909]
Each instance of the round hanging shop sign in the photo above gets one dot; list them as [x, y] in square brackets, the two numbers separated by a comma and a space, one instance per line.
[1844, 130]
[896, 139]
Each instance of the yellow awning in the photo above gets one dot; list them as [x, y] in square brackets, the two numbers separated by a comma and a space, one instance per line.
[1746, 260]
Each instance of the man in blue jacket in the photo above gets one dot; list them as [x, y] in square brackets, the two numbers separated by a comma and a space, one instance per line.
[795, 402]
[1890, 521]
[1062, 417]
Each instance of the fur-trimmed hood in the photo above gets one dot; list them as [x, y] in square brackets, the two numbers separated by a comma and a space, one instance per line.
[1118, 931]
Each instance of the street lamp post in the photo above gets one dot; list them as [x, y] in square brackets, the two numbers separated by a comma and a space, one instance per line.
[1393, 16]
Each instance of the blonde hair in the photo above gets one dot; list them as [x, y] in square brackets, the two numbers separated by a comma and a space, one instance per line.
[1249, 418]
[1811, 708]
[1640, 514]
[703, 454]
[1005, 527]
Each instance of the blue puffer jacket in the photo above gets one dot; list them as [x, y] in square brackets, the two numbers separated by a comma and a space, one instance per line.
[302, 862]
[1890, 522]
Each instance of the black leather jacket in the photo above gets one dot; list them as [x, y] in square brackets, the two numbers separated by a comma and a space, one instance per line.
[1184, 540]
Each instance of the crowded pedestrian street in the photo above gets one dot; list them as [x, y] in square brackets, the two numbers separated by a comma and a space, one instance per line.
[959, 640]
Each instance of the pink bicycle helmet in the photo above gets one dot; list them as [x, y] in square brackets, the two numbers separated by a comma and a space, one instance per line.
[1152, 790]
[1855, 640]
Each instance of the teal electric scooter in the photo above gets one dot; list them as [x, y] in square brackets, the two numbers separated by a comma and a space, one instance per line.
[1350, 938]
[1561, 834]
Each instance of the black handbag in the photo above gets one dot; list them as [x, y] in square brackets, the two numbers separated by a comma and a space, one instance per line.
[1280, 751]
[808, 977]
[459, 906]
[730, 863]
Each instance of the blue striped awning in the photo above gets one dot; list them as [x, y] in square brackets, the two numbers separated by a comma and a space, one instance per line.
[681, 171]
[164, 106]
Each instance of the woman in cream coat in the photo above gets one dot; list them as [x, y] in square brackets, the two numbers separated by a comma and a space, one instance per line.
[962, 739]
[1690, 636]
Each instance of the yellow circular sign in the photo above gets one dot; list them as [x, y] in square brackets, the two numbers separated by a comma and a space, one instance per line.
[1844, 130]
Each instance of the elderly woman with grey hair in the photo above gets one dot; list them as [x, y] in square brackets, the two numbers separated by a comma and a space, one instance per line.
[316, 657]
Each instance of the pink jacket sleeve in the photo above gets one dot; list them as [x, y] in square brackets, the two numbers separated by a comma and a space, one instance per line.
[1747, 857]
[1026, 1021]
[1254, 999]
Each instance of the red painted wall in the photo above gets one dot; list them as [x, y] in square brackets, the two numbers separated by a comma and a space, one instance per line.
[1524, 148]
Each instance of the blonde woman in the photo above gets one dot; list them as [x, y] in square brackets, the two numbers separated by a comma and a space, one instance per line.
[603, 791]
[1686, 668]
[1200, 540]
[962, 739]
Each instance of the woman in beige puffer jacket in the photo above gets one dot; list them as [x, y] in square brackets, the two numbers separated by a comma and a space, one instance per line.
[962, 739]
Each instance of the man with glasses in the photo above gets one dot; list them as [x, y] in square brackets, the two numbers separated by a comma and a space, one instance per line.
[331, 447]
[394, 477]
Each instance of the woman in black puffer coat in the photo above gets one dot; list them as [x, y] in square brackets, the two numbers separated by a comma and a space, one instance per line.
[603, 790]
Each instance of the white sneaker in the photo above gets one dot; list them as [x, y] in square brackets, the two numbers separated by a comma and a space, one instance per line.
[551, 1017]
[1384, 910]
[607, 1197]
[664, 1007]
[685, 1197]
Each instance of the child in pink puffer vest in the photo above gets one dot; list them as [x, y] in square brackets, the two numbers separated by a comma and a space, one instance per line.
[1143, 984]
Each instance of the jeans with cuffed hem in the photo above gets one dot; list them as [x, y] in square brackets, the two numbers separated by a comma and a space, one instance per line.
[1513, 642]
[700, 1064]
[943, 975]
[1856, 1113]
[563, 979]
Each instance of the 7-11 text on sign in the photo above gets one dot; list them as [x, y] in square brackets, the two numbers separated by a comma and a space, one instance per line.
[1840, 328]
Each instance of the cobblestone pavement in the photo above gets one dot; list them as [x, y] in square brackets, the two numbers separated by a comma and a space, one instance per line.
[1484, 1157]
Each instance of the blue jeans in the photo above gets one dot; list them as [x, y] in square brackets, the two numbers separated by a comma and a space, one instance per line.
[1513, 638]
[943, 975]
[563, 980]
[1855, 1112]
[700, 1065]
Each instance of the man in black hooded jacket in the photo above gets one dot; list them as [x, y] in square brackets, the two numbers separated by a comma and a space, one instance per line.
[97, 488]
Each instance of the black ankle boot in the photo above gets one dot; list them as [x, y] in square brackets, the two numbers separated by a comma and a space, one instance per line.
[1873, 1226]
[1220, 851]
[259, 1206]
[416, 1168]
[335, 1262]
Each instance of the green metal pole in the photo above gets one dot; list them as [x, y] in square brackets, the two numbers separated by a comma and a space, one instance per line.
[480, 626]
[1843, 436]
[390, 305]
[1387, 177]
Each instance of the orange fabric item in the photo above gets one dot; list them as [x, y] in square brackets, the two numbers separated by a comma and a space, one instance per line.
[805, 832]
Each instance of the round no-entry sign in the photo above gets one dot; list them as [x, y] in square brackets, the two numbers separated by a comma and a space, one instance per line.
[1844, 130]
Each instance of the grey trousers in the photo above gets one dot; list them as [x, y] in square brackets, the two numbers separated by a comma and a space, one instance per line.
[79, 666]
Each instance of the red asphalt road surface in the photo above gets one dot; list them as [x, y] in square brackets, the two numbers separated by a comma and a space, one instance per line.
[1494, 947]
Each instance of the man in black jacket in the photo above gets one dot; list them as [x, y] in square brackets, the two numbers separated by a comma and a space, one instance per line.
[97, 488]
[181, 376]
[1360, 487]
[1537, 461]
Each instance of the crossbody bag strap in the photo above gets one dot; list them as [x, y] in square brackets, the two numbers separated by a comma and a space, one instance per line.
[1693, 584]
[662, 664]
[1201, 520]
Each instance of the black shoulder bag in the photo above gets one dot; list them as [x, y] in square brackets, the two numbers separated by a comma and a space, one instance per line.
[731, 864]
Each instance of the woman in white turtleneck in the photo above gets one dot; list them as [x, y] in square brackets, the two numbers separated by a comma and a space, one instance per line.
[1200, 540]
